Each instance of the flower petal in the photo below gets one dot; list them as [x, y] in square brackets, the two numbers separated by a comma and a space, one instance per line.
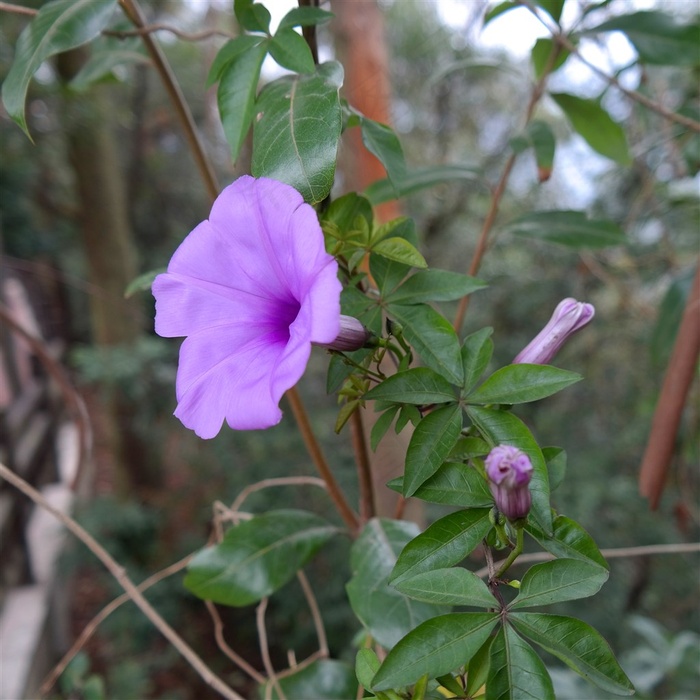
[224, 373]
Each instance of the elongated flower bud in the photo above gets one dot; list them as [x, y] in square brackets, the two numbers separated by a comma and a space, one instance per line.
[353, 336]
[509, 471]
[569, 317]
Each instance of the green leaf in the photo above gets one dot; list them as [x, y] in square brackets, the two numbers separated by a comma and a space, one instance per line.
[102, 65]
[445, 543]
[569, 228]
[452, 485]
[325, 678]
[578, 645]
[468, 448]
[291, 51]
[557, 581]
[478, 669]
[658, 37]
[366, 666]
[552, 7]
[455, 586]
[516, 671]
[540, 55]
[431, 443]
[381, 141]
[568, 540]
[499, 9]
[435, 285]
[253, 17]
[295, 139]
[229, 52]
[420, 179]
[540, 137]
[435, 647]
[381, 426]
[257, 557]
[59, 26]
[386, 613]
[595, 125]
[522, 383]
[503, 428]
[238, 85]
[142, 282]
[556, 465]
[419, 385]
[476, 354]
[345, 210]
[401, 251]
[304, 17]
[433, 338]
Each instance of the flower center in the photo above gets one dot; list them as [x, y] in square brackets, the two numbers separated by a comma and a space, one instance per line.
[287, 313]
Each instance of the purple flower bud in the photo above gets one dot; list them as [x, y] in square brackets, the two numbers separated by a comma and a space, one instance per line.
[353, 336]
[509, 471]
[569, 317]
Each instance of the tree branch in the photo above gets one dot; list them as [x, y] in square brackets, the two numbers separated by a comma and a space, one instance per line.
[134, 13]
[125, 582]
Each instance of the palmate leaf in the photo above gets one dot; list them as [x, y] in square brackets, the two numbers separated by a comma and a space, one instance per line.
[476, 354]
[522, 383]
[59, 26]
[540, 56]
[296, 135]
[595, 125]
[304, 17]
[326, 678]
[257, 557]
[431, 443]
[569, 228]
[557, 581]
[444, 543]
[435, 647]
[503, 428]
[578, 645]
[658, 37]
[291, 51]
[455, 586]
[107, 56]
[433, 338]
[386, 613]
[516, 671]
[435, 285]
[419, 179]
[238, 85]
[453, 484]
[419, 385]
[381, 141]
[539, 136]
[568, 540]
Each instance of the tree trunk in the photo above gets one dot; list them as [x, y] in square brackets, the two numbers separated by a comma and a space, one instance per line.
[111, 262]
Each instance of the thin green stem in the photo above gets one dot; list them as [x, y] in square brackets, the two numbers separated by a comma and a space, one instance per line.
[515, 553]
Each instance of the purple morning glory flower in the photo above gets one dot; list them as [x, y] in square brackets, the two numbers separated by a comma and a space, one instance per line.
[252, 288]
[509, 471]
[569, 317]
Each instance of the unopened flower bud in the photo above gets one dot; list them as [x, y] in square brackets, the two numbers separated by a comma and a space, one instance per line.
[509, 471]
[569, 317]
[353, 336]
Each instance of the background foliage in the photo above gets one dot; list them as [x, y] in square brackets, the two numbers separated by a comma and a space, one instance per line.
[457, 104]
